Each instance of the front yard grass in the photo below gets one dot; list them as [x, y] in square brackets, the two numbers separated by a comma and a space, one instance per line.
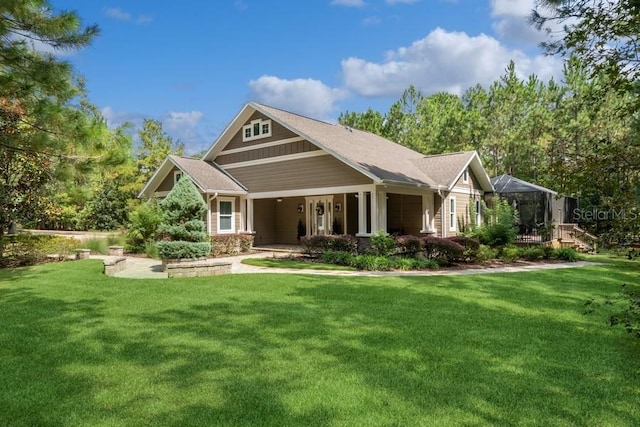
[78, 348]
[294, 263]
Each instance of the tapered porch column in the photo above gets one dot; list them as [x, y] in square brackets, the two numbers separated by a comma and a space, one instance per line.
[362, 213]
[243, 214]
[428, 225]
[249, 216]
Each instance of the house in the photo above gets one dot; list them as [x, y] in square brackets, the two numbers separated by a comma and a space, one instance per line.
[279, 175]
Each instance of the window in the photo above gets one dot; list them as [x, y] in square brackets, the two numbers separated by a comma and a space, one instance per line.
[226, 223]
[256, 129]
[452, 213]
[176, 176]
[478, 212]
[465, 176]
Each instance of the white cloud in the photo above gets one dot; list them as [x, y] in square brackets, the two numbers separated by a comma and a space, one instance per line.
[401, 1]
[182, 126]
[240, 5]
[117, 13]
[121, 15]
[348, 3]
[308, 97]
[442, 61]
[144, 19]
[512, 21]
[371, 20]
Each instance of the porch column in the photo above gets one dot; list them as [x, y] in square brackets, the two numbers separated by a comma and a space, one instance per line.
[208, 197]
[362, 213]
[249, 215]
[381, 211]
[427, 213]
[243, 214]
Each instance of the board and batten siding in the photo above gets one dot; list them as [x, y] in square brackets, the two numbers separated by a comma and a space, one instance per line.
[266, 152]
[312, 172]
[278, 132]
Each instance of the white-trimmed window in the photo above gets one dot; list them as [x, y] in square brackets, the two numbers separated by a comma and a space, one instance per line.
[478, 212]
[226, 215]
[452, 213]
[465, 176]
[176, 176]
[256, 129]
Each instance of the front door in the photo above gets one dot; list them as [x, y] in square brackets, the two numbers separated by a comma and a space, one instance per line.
[319, 215]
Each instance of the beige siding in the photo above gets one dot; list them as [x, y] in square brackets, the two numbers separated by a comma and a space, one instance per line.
[266, 152]
[313, 172]
[472, 182]
[167, 183]
[286, 220]
[264, 221]
[214, 214]
[404, 214]
[437, 214]
[278, 132]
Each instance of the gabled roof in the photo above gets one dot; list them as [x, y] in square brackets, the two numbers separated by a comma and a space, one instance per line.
[446, 169]
[374, 156]
[505, 184]
[207, 176]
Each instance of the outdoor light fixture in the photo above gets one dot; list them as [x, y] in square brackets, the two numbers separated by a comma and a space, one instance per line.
[278, 199]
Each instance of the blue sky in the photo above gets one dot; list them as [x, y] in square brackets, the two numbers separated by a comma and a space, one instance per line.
[194, 64]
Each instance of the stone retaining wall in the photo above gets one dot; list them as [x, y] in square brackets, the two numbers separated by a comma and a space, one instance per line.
[208, 267]
[114, 265]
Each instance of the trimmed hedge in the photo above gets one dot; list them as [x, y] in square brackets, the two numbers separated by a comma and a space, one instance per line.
[180, 249]
[316, 245]
[442, 249]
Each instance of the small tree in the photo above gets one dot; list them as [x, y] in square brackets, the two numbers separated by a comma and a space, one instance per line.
[500, 224]
[182, 232]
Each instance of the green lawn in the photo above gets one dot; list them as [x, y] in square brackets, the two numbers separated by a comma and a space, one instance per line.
[294, 263]
[81, 349]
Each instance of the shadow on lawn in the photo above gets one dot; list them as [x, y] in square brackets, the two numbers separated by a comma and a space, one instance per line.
[422, 355]
[405, 351]
[35, 346]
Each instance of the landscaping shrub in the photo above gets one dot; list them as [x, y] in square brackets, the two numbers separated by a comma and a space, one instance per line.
[499, 227]
[178, 249]
[143, 226]
[469, 244]
[566, 254]
[182, 231]
[486, 253]
[410, 245]
[445, 251]
[336, 257]
[532, 253]
[97, 246]
[372, 262]
[383, 244]
[509, 253]
[23, 250]
[315, 245]
[424, 264]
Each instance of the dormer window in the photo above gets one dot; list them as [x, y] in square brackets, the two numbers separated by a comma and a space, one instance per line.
[256, 129]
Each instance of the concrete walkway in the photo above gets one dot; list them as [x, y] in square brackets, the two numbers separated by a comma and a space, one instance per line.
[148, 268]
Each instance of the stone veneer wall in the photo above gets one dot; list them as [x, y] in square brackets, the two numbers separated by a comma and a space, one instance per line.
[198, 268]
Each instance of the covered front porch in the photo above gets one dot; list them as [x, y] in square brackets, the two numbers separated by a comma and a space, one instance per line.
[282, 219]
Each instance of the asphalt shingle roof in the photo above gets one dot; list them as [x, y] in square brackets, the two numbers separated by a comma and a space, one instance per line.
[207, 175]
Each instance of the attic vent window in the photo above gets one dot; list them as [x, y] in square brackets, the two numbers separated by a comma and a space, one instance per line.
[465, 176]
[256, 129]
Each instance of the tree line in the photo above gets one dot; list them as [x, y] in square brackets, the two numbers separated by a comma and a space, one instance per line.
[578, 137]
